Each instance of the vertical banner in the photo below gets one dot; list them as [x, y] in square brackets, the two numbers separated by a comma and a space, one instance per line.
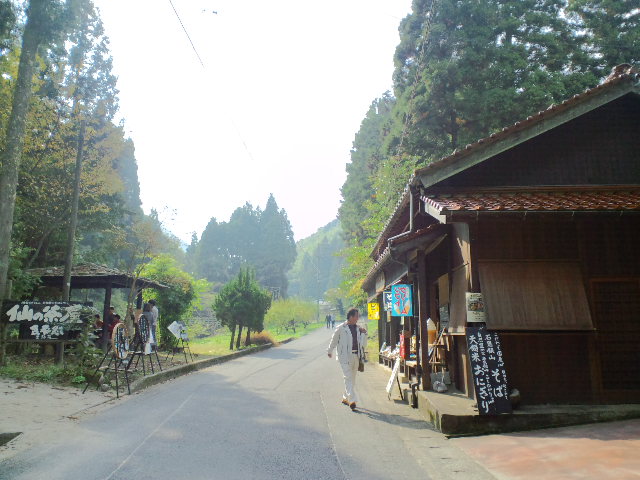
[387, 299]
[402, 300]
[373, 309]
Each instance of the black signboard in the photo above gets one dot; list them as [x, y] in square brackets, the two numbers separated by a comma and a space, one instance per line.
[42, 320]
[488, 370]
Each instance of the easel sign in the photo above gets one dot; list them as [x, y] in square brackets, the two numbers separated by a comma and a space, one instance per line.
[394, 377]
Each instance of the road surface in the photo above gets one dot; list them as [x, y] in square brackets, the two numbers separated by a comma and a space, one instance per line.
[274, 414]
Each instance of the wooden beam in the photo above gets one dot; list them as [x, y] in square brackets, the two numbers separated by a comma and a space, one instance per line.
[107, 304]
[423, 315]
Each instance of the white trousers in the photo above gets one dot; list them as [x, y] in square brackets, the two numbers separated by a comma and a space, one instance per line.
[349, 370]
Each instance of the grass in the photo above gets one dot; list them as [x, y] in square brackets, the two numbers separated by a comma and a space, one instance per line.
[38, 369]
[219, 344]
[372, 341]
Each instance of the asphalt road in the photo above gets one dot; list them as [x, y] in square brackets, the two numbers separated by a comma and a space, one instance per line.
[274, 414]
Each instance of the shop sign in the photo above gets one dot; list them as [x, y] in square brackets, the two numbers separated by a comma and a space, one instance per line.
[475, 308]
[488, 371]
[387, 299]
[394, 376]
[42, 320]
[402, 300]
[373, 309]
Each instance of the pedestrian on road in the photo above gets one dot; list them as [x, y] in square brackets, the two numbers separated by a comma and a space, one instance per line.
[153, 326]
[332, 320]
[327, 320]
[349, 341]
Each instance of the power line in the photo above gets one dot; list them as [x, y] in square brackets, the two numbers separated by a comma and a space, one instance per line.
[187, 34]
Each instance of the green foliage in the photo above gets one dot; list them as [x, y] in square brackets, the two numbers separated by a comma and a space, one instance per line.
[289, 314]
[23, 283]
[175, 302]
[464, 69]
[262, 240]
[242, 303]
[84, 350]
[609, 30]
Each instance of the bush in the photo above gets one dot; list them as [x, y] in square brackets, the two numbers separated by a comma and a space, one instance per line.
[262, 338]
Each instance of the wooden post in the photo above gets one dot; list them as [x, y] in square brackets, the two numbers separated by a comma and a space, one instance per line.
[105, 318]
[423, 312]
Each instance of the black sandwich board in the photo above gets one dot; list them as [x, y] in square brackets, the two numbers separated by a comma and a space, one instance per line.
[488, 370]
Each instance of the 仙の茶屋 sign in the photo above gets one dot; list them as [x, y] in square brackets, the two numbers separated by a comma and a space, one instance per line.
[373, 311]
[402, 300]
[42, 320]
[488, 371]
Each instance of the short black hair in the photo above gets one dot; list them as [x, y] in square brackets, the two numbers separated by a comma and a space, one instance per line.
[152, 301]
[352, 313]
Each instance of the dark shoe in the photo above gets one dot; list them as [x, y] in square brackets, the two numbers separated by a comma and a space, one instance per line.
[345, 401]
[353, 405]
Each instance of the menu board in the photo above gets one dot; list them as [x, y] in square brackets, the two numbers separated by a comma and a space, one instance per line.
[394, 375]
[488, 371]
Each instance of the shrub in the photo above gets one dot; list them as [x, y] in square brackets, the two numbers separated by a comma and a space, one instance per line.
[262, 338]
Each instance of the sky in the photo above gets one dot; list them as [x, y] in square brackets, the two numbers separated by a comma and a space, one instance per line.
[284, 88]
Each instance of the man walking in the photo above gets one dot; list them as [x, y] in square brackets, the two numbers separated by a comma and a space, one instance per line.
[349, 341]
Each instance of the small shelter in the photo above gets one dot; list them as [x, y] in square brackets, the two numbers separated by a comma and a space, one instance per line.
[542, 220]
[93, 276]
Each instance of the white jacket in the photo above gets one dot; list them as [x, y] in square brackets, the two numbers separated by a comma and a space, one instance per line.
[342, 342]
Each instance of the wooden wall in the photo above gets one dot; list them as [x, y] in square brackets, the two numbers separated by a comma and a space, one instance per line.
[600, 147]
[549, 368]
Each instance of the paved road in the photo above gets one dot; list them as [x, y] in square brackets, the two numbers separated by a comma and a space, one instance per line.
[275, 414]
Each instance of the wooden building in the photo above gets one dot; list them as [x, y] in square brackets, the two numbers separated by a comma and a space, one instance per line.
[542, 219]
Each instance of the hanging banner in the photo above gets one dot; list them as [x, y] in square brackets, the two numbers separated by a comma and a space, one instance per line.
[387, 300]
[402, 300]
[475, 308]
[373, 309]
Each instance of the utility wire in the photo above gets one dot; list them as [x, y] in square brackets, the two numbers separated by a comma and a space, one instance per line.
[187, 34]
[235, 126]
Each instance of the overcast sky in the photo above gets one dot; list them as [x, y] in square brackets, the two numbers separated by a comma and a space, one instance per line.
[284, 88]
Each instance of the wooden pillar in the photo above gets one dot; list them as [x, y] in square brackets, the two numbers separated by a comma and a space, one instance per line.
[105, 317]
[423, 312]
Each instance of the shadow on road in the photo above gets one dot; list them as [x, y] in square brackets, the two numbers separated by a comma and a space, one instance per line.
[392, 419]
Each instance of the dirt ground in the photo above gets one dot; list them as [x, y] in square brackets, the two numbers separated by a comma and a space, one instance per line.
[39, 410]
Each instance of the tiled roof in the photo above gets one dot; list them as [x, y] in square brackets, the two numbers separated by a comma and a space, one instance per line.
[572, 199]
[91, 271]
[620, 74]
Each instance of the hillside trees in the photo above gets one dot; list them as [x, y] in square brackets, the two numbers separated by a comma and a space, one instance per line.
[464, 69]
[260, 239]
[318, 265]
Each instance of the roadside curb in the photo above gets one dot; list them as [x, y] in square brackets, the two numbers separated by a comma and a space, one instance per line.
[150, 380]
